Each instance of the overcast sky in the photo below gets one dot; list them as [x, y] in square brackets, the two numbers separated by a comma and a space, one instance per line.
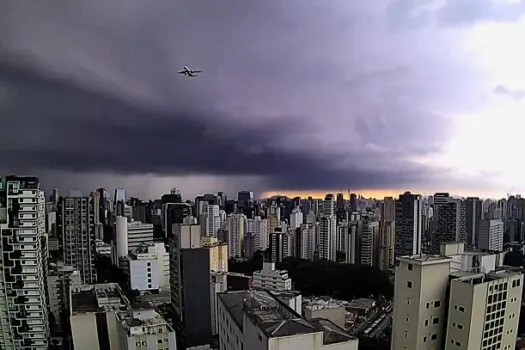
[296, 95]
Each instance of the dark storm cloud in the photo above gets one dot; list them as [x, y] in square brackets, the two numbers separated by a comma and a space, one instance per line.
[56, 125]
[307, 94]
[516, 95]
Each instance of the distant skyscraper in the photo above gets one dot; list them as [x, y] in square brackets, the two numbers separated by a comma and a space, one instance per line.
[213, 220]
[387, 242]
[23, 305]
[491, 235]
[474, 215]
[408, 224]
[329, 205]
[449, 221]
[236, 225]
[296, 218]
[388, 209]
[328, 237]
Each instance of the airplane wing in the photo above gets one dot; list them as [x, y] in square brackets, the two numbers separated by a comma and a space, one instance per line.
[182, 72]
[196, 71]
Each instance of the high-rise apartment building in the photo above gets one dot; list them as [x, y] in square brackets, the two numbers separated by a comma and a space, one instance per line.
[450, 220]
[305, 241]
[473, 212]
[213, 220]
[236, 225]
[388, 209]
[23, 308]
[259, 232]
[329, 205]
[77, 229]
[328, 236]
[296, 218]
[386, 246]
[491, 234]
[369, 243]
[408, 224]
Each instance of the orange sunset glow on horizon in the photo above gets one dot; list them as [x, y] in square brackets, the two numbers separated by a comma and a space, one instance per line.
[381, 193]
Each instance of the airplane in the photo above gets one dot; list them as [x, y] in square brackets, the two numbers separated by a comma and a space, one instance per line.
[188, 72]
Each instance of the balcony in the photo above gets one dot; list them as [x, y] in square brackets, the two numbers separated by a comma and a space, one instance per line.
[19, 284]
[21, 299]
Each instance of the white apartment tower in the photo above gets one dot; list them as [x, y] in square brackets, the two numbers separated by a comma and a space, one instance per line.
[296, 218]
[491, 235]
[213, 220]
[346, 240]
[236, 224]
[259, 229]
[23, 306]
[328, 237]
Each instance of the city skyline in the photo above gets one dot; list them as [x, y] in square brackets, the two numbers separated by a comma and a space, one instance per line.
[367, 96]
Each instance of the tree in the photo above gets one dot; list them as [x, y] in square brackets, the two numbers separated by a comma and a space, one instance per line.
[107, 272]
[323, 277]
[515, 259]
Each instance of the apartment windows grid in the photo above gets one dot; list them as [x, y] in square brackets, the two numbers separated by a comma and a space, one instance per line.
[496, 305]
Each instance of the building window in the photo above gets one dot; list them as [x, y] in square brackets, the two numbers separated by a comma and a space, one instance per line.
[409, 284]
[434, 336]
[437, 303]
[435, 320]
[409, 267]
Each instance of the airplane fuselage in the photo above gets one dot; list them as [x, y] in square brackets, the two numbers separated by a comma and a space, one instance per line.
[188, 72]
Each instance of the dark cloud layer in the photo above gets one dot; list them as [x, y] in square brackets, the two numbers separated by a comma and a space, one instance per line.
[304, 94]
[56, 125]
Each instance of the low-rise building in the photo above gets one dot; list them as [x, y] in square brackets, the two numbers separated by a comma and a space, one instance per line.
[258, 320]
[271, 279]
[102, 318]
[147, 267]
[144, 329]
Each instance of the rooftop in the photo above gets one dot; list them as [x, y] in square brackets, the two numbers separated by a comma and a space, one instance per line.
[97, 298]
[479, 278]
[332, 333]
[424, 259]
[275, 319]
[233, 303]
[362, 303]
[144, 318]
[321, 303]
